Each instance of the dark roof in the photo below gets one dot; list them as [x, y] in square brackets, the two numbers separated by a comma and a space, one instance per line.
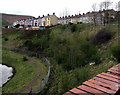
[70, 17]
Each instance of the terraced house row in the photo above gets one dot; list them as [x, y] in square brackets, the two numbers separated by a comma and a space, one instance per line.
[40, 21]
[49, 20]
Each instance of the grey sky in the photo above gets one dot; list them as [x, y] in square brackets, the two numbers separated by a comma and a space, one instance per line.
[40, 7]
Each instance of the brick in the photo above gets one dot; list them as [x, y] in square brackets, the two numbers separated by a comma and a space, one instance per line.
[108, 78]
[89, 89]
[112, 87]
[106, 81]
[115, 69]
[112, 75]
[77, 91]
[99, 87]
[118, 65]
[114, 72]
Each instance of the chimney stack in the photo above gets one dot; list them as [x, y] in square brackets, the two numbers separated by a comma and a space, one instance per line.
[53, 13]
[48, 14]
[43, 15]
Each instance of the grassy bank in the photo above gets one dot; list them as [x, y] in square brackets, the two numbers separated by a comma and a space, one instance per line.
[11, 40]
[25, 71]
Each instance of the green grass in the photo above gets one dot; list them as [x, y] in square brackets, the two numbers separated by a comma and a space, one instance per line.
[25, 71]
[13, 39]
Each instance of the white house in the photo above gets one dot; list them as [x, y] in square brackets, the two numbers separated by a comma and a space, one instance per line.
[86, 18]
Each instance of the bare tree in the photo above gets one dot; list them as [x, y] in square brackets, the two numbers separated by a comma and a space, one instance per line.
[116, 6]
[94, 9]
[119, 6]
[65, 12]
[101, 6]
[100, 12]
[104, 6]
[118, 19]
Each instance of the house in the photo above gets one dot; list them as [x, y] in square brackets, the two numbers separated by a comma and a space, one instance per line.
[69, 19]
[86, 18]
[92, 17]
[50, 20]
[108, 16]
[31, 21]
[60, 21]
[75, 19]
[15, 23]
[40, 20]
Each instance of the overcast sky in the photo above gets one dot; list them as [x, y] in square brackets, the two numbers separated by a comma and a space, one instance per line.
[39, 7]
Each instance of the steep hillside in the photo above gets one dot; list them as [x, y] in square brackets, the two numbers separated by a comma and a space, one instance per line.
[70, 50]
[10, 18]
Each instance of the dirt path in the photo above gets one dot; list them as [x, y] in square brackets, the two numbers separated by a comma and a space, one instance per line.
[32, 83]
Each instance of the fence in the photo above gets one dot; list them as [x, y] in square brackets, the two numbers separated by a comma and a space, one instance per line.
[47, 63]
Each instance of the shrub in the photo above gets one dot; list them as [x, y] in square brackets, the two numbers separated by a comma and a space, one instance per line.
[63, 27]
[25, 58]
[90, 53]
[28, 34]
[116, 52]
[73, 28]
[28, 43]
[101, 37]
[6, 39]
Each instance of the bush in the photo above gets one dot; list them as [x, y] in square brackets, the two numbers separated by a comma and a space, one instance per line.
[116, 52]
[73, 28]
[90, 53]
[28, 34]
[25, 58]
[101, 37]
[6, 39]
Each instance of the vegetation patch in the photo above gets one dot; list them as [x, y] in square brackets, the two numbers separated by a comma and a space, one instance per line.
[101, 37]
[116, 52]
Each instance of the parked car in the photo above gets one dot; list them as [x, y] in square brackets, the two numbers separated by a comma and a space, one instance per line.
[42, 27]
